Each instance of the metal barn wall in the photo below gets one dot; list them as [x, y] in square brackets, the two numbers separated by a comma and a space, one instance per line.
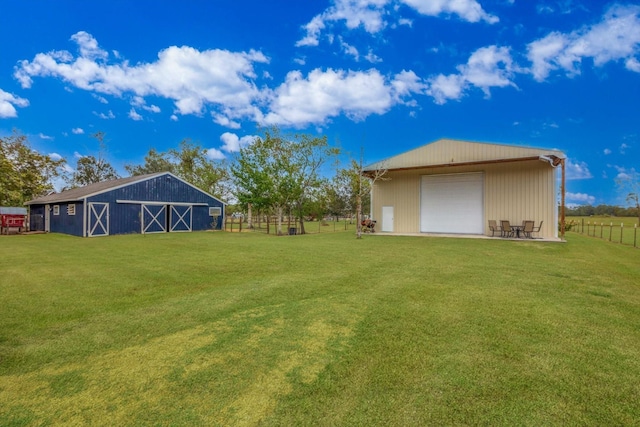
[127, 217]
[65, 223]
[512, 191]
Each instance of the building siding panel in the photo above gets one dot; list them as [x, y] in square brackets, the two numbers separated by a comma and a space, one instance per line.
[512, 191]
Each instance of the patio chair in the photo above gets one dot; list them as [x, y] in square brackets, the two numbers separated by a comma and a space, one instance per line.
[537, 229]
[507, 231]
[494, 227]
[527, 229]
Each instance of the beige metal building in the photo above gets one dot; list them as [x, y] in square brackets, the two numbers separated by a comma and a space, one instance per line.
[456, 187]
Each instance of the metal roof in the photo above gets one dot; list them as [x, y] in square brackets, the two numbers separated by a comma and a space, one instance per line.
[452, 152]
[9, 210]
[80, 193]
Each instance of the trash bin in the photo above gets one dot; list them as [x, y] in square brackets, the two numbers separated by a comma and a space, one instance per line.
[292, 231]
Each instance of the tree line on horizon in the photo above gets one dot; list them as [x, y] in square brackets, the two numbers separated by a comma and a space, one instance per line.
[601, 210]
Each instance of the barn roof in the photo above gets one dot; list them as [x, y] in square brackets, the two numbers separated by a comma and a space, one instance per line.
[452, 152]
[80, 193]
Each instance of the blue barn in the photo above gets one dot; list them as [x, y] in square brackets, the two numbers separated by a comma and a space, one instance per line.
[154, 203]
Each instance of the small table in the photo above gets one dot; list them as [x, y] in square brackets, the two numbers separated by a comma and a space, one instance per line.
[517, 229]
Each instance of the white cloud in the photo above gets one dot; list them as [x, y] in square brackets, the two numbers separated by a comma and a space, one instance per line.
[8, 104]
[468, 10]
[77, 131]
[616, 37]
[101, 99]
[140, 102]
[232, 143]
[324, 94]
[88, 46]
[367, 14]
[223, 120]
[607, 151]
[350, 50]
[626, 174]
[623, 148]
[487, 67]
[105, 116]
[632, 64]
[55, 156]
[580, 198]
[191, 78]
[373, 15]
[577, 170]
[372, 57]
[133, 115]
[215, 154]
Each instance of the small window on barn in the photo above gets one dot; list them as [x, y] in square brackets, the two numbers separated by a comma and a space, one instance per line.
[71, 209]
[56, 209]
[215, 211]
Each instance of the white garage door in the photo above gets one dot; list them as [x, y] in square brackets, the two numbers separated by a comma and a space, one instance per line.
[452, 203]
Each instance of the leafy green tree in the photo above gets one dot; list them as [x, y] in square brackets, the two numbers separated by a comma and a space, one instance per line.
[280, 173]
[91, 169]
[190, 162]
[347, 184]
[154, 162]
[24, 173]
[631, 184]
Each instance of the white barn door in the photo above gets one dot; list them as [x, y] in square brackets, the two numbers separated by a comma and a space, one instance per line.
[181, 218]
[154, 218]
[98, 221]
[452, 203]
[387, 219]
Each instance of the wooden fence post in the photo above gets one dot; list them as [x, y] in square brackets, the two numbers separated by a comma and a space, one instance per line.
[610, 230]
[621, 227]
[601, 227]
[635, 234]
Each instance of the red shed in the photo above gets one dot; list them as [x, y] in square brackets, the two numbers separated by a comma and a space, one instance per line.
[12, 218]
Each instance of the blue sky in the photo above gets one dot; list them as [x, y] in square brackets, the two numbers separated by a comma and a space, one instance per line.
[386, 75]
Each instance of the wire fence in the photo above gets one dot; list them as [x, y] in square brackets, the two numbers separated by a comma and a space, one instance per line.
[290, 226]
[622, 232]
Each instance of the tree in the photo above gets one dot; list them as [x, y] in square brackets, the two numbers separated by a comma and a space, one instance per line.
[24, 173]
[631, 184]
[366, 180]
[90, 169]
[346, 185]
[280, 173]
[153, 162]
[190, 162]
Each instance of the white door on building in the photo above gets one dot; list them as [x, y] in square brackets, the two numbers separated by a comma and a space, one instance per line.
[387, 219]
[47, 218]
[452, 203]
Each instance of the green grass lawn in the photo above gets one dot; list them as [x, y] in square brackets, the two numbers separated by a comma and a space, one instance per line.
[319, 330]
[615, 229]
